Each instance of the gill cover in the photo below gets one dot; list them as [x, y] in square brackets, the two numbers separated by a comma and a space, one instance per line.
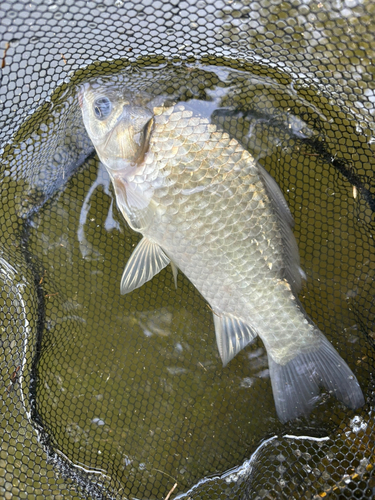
[119, 123]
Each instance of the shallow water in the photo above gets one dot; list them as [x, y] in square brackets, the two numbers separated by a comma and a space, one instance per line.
[132, 386]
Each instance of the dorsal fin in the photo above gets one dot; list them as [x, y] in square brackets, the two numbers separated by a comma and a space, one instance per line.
[293, 271]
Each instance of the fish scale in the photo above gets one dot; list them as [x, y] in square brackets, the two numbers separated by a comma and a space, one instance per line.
[250, 210]
[204, 205]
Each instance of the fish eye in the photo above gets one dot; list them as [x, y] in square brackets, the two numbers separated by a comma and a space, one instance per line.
[102, 108]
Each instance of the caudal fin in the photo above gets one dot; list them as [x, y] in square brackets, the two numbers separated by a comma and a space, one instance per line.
[296, 384]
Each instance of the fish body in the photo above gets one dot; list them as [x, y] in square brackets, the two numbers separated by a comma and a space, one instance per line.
[204, 205]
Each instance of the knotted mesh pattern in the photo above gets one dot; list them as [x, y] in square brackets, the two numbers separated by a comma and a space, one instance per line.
[110, 396]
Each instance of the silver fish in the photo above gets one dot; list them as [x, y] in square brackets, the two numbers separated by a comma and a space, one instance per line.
[203, 204]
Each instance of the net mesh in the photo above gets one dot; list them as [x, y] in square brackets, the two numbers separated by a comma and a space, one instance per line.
[110, 396]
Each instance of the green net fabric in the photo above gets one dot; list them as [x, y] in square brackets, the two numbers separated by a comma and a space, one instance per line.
[108, 396]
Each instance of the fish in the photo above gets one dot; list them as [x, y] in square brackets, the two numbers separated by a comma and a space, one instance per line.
[205, 206]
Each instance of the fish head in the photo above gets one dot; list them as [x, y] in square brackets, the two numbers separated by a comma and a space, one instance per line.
[119, 122]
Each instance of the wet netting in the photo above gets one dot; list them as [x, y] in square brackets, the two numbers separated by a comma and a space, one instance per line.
[106, 395]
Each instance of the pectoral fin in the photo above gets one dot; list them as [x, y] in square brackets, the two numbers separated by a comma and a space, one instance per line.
[146, 261]
[232, 335]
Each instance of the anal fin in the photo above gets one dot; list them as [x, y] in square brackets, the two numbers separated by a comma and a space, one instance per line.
[147, 260]
[232, 335]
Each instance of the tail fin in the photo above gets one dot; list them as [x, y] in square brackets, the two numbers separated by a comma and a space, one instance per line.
[296, 384]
